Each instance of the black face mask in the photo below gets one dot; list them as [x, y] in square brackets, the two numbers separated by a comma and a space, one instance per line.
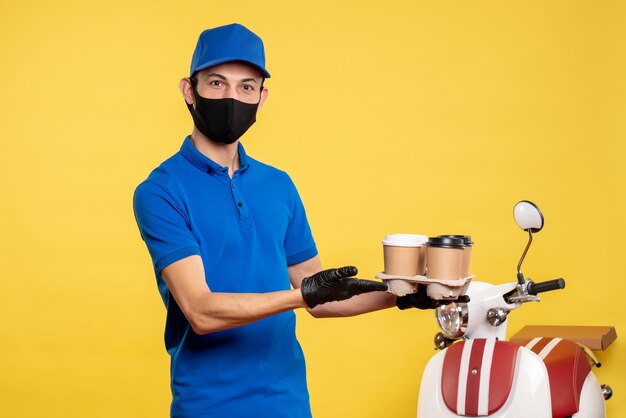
[222, 120]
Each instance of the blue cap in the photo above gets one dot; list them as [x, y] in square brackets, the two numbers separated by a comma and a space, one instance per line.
[228, 43]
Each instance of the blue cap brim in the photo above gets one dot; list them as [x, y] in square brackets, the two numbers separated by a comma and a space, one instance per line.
[213, 63]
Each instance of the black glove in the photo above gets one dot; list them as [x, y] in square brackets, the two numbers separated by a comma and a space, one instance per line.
[421, 300]
[336, 284]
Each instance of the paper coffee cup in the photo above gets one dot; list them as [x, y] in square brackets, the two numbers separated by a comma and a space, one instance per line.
[446, 258]
[404, 254]
[467, 251]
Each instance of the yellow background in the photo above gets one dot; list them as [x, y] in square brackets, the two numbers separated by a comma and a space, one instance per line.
[425, 117]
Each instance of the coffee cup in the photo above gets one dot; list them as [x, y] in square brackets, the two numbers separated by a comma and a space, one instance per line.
[445, 261]
[446, 256]
[404, 255]
[467, 251]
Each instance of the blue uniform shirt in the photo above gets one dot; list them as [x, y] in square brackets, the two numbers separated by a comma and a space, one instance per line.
[247, 230]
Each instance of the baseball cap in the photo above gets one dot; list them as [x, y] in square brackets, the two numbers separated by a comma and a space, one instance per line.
[228, 43]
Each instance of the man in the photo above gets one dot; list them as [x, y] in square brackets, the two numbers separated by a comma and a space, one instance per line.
[232, 250]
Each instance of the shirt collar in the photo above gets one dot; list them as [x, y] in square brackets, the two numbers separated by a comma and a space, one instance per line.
[201, 161]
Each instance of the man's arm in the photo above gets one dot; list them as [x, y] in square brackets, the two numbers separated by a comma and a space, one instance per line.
[356, 305]
[209, 311]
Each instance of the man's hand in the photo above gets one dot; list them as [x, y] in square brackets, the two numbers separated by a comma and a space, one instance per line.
[421, 300]
[336, 284]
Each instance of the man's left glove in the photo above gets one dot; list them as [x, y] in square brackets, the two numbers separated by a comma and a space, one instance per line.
[336, 284]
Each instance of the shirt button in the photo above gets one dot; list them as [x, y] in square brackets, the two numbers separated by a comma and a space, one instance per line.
[240, 204]
[232, 185]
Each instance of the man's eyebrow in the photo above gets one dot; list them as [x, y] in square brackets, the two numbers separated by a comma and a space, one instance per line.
[216, 75]
[221, 77]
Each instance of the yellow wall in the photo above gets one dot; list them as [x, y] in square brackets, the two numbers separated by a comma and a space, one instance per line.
[398, 116]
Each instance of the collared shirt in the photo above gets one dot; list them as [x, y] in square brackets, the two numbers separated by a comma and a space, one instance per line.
[247, 230]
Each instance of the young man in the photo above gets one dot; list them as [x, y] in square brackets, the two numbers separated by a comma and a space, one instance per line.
[232, 250]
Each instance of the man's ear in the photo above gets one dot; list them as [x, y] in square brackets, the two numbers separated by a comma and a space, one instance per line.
[187, 90]
[264, 94]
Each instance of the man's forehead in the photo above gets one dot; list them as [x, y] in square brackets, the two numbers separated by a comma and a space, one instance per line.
[233, 69]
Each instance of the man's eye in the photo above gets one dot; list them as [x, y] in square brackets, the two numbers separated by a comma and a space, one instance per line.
[248, 87]
[215, 83]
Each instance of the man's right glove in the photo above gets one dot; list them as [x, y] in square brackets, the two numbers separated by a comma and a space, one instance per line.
[336, 284]
[421, 300]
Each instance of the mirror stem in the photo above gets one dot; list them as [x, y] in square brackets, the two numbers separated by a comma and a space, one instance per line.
[520, 276]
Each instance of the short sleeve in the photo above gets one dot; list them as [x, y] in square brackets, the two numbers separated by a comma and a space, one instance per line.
[299, 243]
[163, 226]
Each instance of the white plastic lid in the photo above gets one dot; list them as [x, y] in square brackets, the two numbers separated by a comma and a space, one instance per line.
[405, 240]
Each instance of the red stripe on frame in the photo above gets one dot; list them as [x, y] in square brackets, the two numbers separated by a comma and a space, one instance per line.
[473, 377]
[541, 344]
[450, 375]
[502, 373]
